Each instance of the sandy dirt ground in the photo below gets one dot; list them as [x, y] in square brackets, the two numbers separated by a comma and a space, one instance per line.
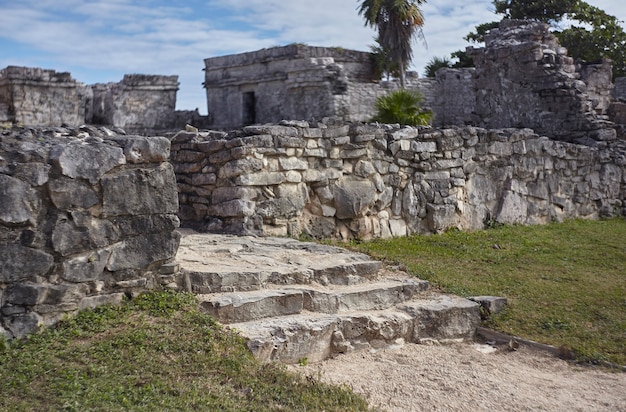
[472, 377]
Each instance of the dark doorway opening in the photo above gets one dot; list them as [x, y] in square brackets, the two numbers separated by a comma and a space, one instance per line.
[249, 108]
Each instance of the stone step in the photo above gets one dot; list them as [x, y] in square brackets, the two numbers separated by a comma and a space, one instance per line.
[222, 263]
[247, 306]
[316, 336]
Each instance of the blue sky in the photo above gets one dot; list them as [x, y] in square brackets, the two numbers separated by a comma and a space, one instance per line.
[99, 41]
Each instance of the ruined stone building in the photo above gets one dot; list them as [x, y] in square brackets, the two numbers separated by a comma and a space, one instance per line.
[40, 97]
[523, 78]
[290, 82]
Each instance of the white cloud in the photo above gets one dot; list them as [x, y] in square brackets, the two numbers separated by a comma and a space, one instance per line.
[113, 37]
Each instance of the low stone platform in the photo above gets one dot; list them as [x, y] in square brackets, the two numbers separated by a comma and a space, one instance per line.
[297, 300]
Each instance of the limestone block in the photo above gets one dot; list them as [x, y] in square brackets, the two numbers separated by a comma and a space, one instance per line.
[406, 133]
[140, 149]
[187, 156]
[364, 169]
[295, 142]
[211, 146]
[293, 163]
[239, 167]
[513, 208]
[18, 262]
[410, 203]
[140, 191]
[274, 130]
[19, 203]
[397, 227]
[126, 226]
[400, 146]
[90, 162]
[233, 208]
[35, 173]
[142, 251]
[91, 302]
[203, 179]
[70, 237]
[224, 194]
[67, 194]
[353, 196]
[423, 146]
[319, 152]
[501, 148]
[86, 267]
[441, 217]
[261, 179]
[25, 294]
[24, 324]
[293, 177]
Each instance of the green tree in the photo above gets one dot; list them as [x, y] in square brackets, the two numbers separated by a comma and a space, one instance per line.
[547, 11]
[398, 22]
[606, 38]
[403, 107]
[435, 64]
[595, 34]
[383, 64]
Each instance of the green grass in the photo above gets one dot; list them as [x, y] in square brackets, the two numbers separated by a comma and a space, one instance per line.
[156, 353]
[565, 282]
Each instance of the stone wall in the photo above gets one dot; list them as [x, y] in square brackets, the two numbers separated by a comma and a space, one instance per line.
[33, 96]
[524, 78]
[86, 218]
[290, 82]
[137, 103]
[365, 181]
[140, 103]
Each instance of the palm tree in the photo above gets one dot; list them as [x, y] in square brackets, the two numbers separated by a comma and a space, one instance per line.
[397, 22]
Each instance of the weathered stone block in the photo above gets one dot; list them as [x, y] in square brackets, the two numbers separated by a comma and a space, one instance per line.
[35, 173]
[353, 196]
[233, 208]
[227, 193]
[140, 149]
[89, 162]
[86, 267]
[67, 194]
[513, 208]
[261, 179]
[19, 203]
[18, 262]
[239, 167]
[140, 191]
[293, 163]
[142, 251]
[421, 146]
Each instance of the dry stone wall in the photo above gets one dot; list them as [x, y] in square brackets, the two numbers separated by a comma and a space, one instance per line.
[138, 102]
[86, 217]
[34, 96]
[366, 181]
[524, 78]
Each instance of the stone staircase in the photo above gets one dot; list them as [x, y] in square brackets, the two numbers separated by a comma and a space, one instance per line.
[297, 300]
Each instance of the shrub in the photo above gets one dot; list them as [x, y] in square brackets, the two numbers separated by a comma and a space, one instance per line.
[404, 107]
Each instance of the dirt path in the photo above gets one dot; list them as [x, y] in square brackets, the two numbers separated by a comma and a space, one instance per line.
[468, 377]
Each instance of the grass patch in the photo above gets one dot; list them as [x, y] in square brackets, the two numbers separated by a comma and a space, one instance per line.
[155, 353]
[565, 282]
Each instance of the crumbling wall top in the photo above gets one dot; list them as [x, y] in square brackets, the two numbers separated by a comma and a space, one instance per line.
[35, 74]
[289, 52]
[151, 80]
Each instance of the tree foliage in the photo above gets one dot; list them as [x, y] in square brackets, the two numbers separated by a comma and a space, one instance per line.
[435, 64]
[546, 11]
[403, 107]
[384, 66]
[594, 35]
[398, 22]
